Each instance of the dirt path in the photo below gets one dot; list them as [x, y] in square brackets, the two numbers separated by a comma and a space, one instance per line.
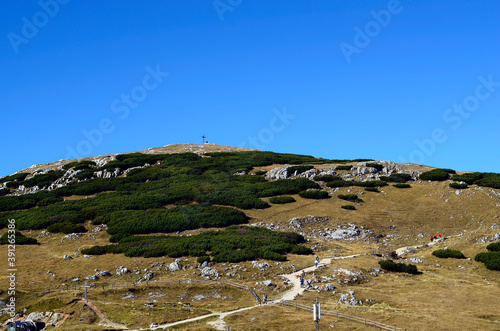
[400, 251]
[219, 324]
[104, 320]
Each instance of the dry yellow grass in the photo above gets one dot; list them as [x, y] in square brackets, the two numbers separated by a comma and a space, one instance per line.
[458, 295]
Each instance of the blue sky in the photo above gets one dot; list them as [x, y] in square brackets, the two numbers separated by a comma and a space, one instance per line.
[414, 81]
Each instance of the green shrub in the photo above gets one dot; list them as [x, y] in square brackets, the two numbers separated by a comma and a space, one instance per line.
[491, 260]
[436, 174]
[389, 265]
[49, 201]
[396, 178]
[16, 177]
[459, 186]
[326, 178]
[448, 253]
[260, 172]
[348, 207]
[402, 185]
[66, 227]
[119, 236]
[203, 259]
[340, 183]
[377, 166]
[12, 184]
[79, 165]
[344, 167]
[371, 189]
[493, 247]
[299, 169]
[233, 244]
[43, 179]
[349, 197]
[281, 200]
[314, 194]
[18, 237]
[4, 191]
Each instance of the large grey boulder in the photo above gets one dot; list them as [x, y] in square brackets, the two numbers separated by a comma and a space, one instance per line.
[174, 266]
[207, 271]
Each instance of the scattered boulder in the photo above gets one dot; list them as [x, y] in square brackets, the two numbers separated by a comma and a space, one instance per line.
[174, 266]
[349, 299]
[207, 271]
[67, 257]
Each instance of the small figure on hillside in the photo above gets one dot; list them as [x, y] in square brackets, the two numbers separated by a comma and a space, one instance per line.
[301, 281]
[432, 238]
[440, 235]
[316, 263]
[264, 299]
[317, 258]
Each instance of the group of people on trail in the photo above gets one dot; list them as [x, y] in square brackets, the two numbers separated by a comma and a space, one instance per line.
[435, 237]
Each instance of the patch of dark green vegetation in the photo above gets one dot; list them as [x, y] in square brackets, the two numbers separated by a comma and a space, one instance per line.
[82, 165]
[377, 166]
[203, 259]
[390, 265]
[299, 169]
[340, 183]
[66, 227]
[4, 191]
[260, 172]
[459, 186]
[372, 189]
[371, 183]
[491, 260]
[233, 244]
[281, 200]
[314, 194]
[327, 178]
[493, 247]
[437, 174]
[448, 254]
[396, 178]
[348, 207]
[344, 167]
[16, 177]
[401, 185]
[17, 238]
[42, 180]
[349, 197]
[163, 220]
[480, 178]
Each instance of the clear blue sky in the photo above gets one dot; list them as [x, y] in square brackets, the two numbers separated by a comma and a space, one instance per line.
[393, 80]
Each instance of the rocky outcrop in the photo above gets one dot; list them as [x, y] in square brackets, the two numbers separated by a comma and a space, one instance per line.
[278, 173]
[349, 299]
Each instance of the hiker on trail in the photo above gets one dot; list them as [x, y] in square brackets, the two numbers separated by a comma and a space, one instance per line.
[317, 258]
[264, 300]
[301, 281]
[432, 238]
[316, 263]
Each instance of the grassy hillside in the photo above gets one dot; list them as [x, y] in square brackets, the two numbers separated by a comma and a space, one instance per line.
[148, 210]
